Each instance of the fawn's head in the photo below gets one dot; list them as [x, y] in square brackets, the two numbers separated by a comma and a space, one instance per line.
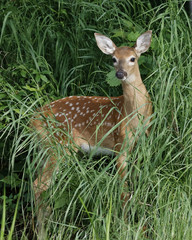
[124, 58]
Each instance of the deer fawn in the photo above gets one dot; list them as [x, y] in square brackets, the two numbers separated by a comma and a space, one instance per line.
[89, 119]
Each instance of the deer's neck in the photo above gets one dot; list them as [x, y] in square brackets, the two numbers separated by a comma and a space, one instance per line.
[136, 97]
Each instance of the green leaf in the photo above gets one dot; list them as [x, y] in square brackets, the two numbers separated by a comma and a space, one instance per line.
[17, 110]
[2, 126]
[30, 88]
[37, 77]
[112, 80]
[23, 73]
[63, 11]
[132, 36]
[12, 180]
[44, 78]
[118, 33]
[127, 23]
[61, 201]
[154, 44]
[3, 95]
[2, 107]
[34, 71]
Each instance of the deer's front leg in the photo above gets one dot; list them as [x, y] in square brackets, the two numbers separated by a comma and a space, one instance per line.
[122, 164]
[122, 171]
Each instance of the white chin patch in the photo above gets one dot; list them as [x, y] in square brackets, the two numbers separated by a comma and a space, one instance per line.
[129, 79]
[124, 79]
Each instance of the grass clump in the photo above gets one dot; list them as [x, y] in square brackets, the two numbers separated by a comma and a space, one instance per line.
[47, 51]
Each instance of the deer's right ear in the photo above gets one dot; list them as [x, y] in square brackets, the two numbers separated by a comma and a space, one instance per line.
[105, 44]
[143, 42]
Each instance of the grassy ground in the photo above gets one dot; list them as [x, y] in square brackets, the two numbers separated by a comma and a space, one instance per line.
[48, 51]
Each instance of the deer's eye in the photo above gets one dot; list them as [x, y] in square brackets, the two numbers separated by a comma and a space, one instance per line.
[132, 59]
[114, 60]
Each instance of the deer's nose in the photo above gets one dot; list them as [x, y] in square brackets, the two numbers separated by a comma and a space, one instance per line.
[121, 74]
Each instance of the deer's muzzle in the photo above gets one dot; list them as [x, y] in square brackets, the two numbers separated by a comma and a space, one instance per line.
[120, 74]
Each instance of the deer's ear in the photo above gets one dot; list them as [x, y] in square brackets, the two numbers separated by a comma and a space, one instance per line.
[143, 42]
[105, 44]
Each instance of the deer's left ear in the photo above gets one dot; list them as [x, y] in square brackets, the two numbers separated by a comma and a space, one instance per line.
[143, 42]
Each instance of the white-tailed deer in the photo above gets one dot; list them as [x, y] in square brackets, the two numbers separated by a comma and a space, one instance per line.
[89, 119]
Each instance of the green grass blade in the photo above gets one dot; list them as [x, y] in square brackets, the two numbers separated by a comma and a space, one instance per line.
[108, 220]
[9, 237]
[3, 221]
[4, 24]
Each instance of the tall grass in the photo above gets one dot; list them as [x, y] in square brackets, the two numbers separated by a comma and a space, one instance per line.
[48, 51]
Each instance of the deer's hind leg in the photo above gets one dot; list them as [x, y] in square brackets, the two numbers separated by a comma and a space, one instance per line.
[57, 146]
[48, 141]
[40, 185]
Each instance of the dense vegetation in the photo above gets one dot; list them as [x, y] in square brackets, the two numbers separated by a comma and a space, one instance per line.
[48, 51]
